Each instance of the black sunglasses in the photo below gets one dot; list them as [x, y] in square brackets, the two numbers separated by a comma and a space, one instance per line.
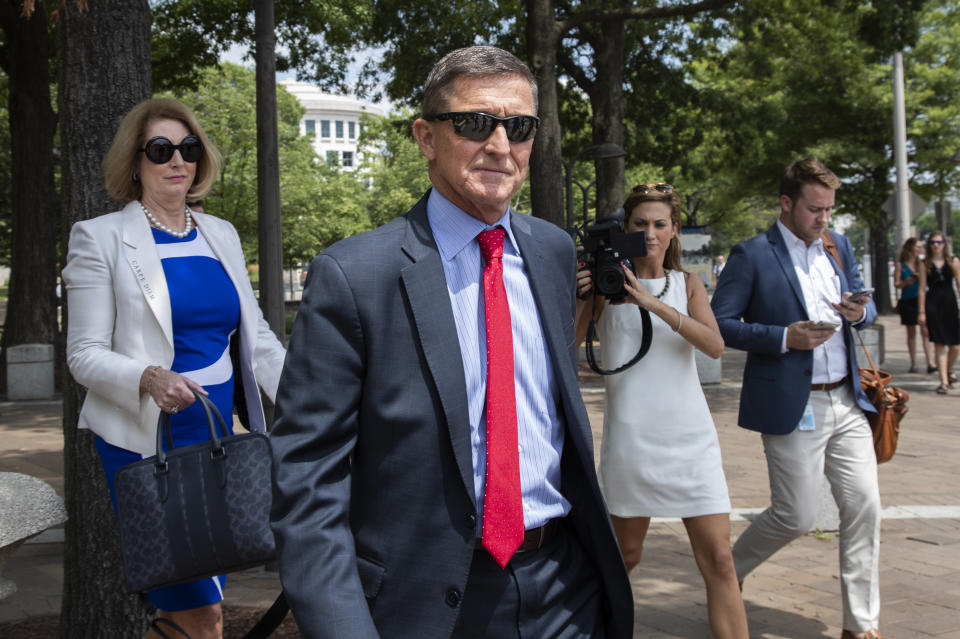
[159, 150]
[663, 187]
[480, 126]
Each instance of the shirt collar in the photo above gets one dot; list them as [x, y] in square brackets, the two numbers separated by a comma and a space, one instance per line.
[794, 242]
[453, 229]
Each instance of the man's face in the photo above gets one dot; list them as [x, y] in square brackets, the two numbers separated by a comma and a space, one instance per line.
[479, 177]
[807, 217]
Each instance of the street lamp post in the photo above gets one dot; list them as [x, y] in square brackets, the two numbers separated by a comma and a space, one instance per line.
[603, 151]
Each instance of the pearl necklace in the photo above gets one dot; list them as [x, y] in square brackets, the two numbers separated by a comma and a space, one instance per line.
[666, 285]
[166, 229]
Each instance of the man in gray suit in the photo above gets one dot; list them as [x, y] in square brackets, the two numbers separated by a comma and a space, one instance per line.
[419, 490]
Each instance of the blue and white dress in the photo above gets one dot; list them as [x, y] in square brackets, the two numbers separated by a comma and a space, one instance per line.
[205, 310]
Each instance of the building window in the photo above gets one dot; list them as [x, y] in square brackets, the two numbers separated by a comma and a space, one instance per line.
[340, 129]
[332, 158]
[324, 128]
[352, 130]
[348, 158]
[311, 127]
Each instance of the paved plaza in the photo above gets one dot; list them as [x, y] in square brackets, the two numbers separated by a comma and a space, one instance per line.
[794, 595]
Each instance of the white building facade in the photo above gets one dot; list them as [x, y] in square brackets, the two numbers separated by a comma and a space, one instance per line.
[333, 121]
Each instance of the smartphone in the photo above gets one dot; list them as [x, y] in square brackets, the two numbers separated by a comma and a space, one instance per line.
[856, 296]
[822, 324]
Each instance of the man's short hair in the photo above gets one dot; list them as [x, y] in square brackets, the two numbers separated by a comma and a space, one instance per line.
[471, 62]
[806, 171]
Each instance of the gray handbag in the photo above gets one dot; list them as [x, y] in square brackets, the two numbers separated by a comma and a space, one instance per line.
[197, 511]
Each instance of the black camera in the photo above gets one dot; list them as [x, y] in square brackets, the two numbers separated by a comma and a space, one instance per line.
[606, 247]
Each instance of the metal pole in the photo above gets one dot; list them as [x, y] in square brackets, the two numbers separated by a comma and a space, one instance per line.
[902, 219]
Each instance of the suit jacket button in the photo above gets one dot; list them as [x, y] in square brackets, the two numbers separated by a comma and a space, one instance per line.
[471, 523]
[807, 372]
[453, 597]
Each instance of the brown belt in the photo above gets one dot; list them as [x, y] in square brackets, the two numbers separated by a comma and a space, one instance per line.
[535, 538]
[829, 386]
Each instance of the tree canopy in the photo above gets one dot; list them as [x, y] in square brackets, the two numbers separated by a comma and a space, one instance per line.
[319, 204]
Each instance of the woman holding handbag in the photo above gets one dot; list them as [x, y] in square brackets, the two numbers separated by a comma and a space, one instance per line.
[660, 455]
[939, 314]
[157, 292]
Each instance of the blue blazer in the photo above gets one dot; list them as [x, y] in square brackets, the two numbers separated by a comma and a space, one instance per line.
[758, 295]
[374, 508]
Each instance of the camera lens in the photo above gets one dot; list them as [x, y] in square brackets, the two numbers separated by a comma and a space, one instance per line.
[610, 279]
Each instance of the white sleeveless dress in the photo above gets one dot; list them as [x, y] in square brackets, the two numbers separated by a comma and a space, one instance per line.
[660, 456]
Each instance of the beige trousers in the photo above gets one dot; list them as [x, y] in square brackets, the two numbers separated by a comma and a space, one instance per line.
[840, 447]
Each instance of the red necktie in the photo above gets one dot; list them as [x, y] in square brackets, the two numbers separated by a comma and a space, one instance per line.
[502, 504]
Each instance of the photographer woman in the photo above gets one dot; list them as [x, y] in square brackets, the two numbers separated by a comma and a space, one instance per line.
[660, 455]
[156, 291]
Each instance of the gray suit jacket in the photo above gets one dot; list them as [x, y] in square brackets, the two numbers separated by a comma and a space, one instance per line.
[374, 507]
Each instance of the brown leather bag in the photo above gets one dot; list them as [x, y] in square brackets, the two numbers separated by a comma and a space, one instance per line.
[891, 405]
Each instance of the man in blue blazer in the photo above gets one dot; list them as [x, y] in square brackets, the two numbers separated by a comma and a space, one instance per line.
[380, 450]
[787, 301]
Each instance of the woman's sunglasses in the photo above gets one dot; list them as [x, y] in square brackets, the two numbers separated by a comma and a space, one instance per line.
[480, 126]
[663, 187]
[159, 150]
[936, 242]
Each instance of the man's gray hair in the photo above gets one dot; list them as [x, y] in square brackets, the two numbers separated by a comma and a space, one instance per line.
[471, 62]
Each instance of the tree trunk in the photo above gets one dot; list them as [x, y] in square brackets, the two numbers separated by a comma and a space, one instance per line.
[608, 110]
[31, 307]
[104, 71]
[881, 273]
[268, 172]
[546, 168]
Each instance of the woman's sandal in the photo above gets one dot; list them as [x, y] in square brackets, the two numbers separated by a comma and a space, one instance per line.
[952, 378]
[941, 390]
[912, 369]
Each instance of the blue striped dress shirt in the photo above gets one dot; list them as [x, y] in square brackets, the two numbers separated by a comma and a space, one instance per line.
[540, 425]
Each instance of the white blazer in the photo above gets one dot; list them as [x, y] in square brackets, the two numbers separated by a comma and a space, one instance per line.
[120, 323]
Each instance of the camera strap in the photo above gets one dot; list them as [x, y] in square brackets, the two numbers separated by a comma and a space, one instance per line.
[645, 340]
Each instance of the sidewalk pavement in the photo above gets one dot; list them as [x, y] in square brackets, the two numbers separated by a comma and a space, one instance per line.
[796, 594]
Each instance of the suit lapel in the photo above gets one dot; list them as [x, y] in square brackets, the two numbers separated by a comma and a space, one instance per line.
[141, 254]
[426, 289]
[552, 311]
[782, 253]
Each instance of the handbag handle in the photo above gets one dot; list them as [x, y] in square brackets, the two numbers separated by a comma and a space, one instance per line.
[876, 373]
[163, 426]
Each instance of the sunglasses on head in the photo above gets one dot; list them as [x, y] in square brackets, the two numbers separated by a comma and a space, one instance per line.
[159, 150]
[663, 187]
[480, 126]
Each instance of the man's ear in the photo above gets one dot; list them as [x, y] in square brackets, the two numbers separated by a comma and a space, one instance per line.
[785, 203]
[423, 133]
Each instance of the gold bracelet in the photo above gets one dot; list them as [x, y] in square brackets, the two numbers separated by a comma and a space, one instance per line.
[679, 320]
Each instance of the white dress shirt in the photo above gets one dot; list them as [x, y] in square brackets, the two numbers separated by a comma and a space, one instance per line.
[821, 288]
[539, 423]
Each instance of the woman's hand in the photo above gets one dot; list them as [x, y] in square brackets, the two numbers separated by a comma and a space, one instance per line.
[638, 294]
[584, 281]
[171, 391]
